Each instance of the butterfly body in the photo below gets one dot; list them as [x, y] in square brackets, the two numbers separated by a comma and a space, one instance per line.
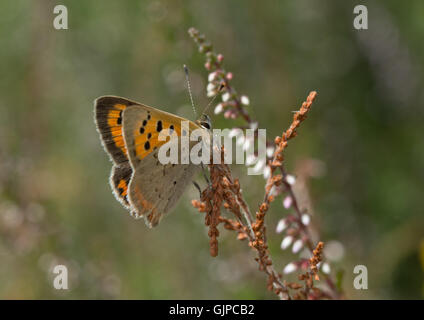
[130, 133]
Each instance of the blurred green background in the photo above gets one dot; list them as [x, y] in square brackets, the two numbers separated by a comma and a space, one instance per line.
[360, 153]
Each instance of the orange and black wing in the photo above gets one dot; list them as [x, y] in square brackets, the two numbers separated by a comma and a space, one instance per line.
[108, 116]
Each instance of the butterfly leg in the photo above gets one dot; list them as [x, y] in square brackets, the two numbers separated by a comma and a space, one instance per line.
[206, 176]
[198, 188]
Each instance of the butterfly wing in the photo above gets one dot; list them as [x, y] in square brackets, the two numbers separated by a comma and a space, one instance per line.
[119, 181]
[154, 188]
[108, 116]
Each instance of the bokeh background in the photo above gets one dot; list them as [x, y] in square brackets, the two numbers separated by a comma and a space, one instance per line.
[360, 154]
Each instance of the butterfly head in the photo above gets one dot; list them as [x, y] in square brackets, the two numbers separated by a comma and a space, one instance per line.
[205, 122]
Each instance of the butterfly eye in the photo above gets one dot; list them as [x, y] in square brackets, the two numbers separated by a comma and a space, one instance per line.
[205, 122]
[205, 125]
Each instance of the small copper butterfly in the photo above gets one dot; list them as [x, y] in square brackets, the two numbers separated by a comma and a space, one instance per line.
[129, 132]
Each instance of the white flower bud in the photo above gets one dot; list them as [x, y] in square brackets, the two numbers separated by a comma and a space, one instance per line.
[245, 100]
[287, 241]
[290, 179]
[282, 224]
[219, 108]
[210, 87]
[297, 246]
[225, 97]
[291, 267]
[306, 219]
[326, 268]
[270, 152]
[267, 173]
[212, 76]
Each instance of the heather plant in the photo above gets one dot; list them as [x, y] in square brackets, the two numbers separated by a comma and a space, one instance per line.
[225, 192]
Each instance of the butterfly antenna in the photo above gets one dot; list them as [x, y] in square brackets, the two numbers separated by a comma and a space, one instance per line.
[222, 86]
[189, 90]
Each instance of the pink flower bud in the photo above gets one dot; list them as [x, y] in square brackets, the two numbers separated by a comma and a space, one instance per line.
[287, 202]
